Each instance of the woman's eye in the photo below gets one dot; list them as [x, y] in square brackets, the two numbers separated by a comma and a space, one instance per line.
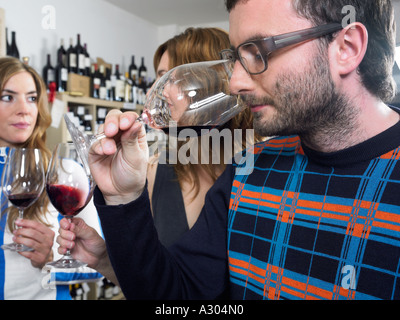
[32, 99]
[6, 98]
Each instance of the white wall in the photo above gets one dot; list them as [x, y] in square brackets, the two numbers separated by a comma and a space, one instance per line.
[167, 32]
[110, 32]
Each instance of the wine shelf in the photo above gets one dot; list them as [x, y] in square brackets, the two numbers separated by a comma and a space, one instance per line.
[60, 134]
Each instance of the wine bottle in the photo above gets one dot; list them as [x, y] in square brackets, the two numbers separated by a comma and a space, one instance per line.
[88, 123]
[62, 53]
[119, 92]
[61, 74]
[128, 88]
[103, 87]
[142, 71]
[87, 60]
[133, 70]
[71, 58]
[96, 82]
[14, 52]
[109, 85]
[80, 57]
[8, 46]
[80, 114]
[48, 73]
[91, 80]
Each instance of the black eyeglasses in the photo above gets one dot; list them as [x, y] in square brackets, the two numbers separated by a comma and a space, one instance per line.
[253, 55]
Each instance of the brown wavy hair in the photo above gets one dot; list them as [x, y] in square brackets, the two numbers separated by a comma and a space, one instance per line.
[196, 45]
[376, 69]
[8, 68]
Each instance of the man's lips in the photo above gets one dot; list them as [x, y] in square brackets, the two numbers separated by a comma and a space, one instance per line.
[258, 108]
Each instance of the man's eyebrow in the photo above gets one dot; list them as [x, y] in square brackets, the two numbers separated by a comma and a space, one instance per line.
[254, 38]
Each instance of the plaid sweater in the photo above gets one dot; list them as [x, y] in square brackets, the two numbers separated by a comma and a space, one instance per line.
[302, 225]
[306, 225]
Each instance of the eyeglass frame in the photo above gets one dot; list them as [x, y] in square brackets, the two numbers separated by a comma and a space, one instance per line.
[268, 45]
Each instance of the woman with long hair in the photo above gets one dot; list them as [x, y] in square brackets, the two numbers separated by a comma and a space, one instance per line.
[177, 191]
[24, 119]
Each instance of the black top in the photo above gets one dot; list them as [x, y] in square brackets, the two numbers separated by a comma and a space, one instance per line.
[168, 206]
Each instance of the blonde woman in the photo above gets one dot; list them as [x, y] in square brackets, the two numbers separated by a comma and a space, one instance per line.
[24, 118]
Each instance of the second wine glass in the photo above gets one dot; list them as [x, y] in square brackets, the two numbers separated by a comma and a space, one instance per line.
[22, 182]
[70, 188]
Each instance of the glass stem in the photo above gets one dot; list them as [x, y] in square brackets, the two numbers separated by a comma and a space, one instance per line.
[20, 216]
[68, 253]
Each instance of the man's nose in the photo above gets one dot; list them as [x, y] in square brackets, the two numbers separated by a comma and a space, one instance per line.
[240, 81]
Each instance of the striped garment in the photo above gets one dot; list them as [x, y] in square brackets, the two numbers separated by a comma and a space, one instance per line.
[306, 225]
[298, 225]
[19, 280]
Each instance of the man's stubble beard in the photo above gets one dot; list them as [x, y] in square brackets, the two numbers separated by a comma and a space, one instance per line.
[305, 103]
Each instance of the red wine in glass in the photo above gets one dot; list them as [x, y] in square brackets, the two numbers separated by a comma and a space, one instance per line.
[23, 200]
[67, 200]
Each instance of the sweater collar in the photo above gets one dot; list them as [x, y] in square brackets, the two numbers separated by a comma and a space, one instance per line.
[375, 147]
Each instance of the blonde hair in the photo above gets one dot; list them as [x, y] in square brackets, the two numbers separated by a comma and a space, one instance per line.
[9, 67]
[196, 45]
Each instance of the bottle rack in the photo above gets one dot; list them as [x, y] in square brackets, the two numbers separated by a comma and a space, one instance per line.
[92, 105]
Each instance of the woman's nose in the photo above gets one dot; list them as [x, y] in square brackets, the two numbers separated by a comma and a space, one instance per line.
[22, 106]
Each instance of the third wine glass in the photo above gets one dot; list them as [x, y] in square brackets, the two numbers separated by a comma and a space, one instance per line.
[70, 188]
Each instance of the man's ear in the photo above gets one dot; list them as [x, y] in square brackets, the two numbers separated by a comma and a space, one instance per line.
[349, 48]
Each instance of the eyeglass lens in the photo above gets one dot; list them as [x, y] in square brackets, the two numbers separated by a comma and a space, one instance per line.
[252, 58]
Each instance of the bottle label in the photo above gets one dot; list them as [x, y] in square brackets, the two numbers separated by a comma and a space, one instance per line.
[96, 83]
[113, 81]
[82, 61]
[87, 62]
[72, 60]
[50, 76]
[120, 88]
[134, 74]
[103, 93]
[64, 74]
[108, 84]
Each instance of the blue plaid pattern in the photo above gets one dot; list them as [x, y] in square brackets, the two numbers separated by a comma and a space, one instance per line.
[306, 225]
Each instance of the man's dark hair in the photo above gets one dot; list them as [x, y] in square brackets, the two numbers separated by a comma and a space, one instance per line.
[378, 17]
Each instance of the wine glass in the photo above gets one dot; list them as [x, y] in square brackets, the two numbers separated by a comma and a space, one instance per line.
[70, 188]
[194, 95]
[22, 183]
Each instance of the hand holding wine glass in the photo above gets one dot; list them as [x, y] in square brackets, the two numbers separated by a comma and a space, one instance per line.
[194, 95]
[22, 183]
[70, 188]
[119, 162]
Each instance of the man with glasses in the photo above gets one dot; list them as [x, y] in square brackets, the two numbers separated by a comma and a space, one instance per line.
[319, 216]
